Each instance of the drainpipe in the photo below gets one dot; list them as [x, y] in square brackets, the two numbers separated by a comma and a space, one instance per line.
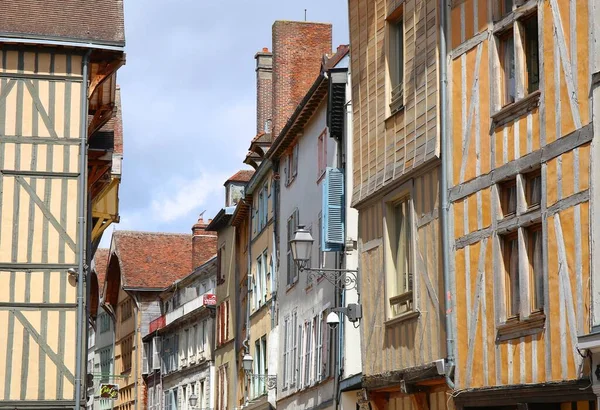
[446, 241]
[81, 231]
[246, 342]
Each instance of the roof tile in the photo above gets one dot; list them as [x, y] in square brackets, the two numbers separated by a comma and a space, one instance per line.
[154, 260]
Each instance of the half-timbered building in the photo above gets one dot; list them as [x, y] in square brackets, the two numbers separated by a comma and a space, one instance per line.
[396, 185]
[58, 66]
[519, 170]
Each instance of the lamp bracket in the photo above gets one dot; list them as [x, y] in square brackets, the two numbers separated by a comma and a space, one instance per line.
[340, 278]
[270, 380]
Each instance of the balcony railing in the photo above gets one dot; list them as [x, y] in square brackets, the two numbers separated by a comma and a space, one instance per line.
[206, 299]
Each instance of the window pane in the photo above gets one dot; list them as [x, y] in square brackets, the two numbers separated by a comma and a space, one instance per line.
[532, 54]
[534, 190]
[508, 66]
[535, 266]
[512, 261]
[402, 240]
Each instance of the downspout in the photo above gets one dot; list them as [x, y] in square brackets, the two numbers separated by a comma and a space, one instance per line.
[81, 231]
[136, 330]
[248, 281]
[446, 242]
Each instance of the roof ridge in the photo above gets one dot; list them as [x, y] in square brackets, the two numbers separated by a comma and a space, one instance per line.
[151, 233]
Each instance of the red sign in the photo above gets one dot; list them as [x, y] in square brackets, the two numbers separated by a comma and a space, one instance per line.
[157, 324]
[209, 299]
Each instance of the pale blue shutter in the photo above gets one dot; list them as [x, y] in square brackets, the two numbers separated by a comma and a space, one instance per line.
[332, 238]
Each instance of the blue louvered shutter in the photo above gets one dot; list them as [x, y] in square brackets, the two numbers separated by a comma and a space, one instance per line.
[333, 235]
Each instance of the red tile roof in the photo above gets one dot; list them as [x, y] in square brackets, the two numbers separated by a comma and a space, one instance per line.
[100, 21]
[152, 260]
[100, 265]
[241, 176]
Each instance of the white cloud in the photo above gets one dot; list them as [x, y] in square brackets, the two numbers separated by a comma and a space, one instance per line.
[181, 196]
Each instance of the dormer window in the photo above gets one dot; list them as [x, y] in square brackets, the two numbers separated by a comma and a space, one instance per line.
[268, 125]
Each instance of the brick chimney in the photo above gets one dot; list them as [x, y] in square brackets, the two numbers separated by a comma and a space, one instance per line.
[298, 49]
[264, 90]
[204, 243]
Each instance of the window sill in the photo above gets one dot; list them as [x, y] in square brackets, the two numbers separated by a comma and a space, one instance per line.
[515, 328]
[291, 285]
[517, 109]
[394, 114]
[405, 317]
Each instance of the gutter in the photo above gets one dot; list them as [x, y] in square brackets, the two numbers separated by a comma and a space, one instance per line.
[81, 233]
[444, 154]
[21, 38]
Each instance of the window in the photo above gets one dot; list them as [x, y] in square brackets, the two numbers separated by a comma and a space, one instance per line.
[503, 7]
[522, 255]
[534, 257]
[508, 198]
[400, 242]
[201, 337]
[507, 62]
[263, 207]
[292, 165]
[533, 189]
[104, 320]
[297, 348]
[318, 346]
[222, 387]
[287, 345]
[396, 63]
[510, 245]
[223, 322]
[105, 364]
[220, 270]
[183, 353]
[530, 31]
[322, 155]
[260, 366]
[170, 353]
[518, 52]
[292, 269]
[126, 346]
[126, 310]
[297, 376]
[308, 337]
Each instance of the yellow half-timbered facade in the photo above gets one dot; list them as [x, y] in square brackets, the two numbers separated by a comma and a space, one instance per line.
[51, 91]
[519, 138]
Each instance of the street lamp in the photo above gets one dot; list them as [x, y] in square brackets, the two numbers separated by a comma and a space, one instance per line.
[193, 400]
[301, 245]
[270, 381]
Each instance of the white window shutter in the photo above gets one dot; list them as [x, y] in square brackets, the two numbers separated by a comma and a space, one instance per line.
[156, 352]
[145, 355]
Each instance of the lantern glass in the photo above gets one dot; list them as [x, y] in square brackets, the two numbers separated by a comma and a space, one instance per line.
[193, 399]
[301, 246]
[247, 362]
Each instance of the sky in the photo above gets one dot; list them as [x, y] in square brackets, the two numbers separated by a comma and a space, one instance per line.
[188, 91]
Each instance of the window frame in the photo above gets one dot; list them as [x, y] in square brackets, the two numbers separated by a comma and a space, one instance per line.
[395, 60]
[528, 314]
[322, 155]
[405, 193]
[513, 24]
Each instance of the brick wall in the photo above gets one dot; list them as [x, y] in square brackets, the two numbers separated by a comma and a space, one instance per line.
[298, 49]
[264, 89]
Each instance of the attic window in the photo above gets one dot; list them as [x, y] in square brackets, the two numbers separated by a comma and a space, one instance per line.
[268, 125]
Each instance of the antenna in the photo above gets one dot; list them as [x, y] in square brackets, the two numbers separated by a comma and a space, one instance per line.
[201, 214]
[304, 14]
